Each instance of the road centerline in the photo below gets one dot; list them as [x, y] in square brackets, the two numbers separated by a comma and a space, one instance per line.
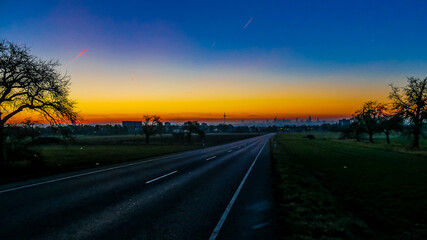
[163, 176]
[210, 158]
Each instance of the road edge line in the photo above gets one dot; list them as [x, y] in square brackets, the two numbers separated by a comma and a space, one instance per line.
[221, 221]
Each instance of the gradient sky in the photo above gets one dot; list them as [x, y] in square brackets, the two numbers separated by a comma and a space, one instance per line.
[195, 60]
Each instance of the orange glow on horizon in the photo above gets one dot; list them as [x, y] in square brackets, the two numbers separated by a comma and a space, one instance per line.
[213, 110]
[98, 100]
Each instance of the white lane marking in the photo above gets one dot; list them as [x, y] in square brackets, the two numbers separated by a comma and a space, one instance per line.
[233, 199]
[229, 151]
[210, 158]
[157, 178]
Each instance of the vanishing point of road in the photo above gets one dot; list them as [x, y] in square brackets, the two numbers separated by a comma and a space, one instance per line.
[221, 192]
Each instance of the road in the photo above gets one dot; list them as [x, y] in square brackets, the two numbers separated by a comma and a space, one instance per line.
[221, 192]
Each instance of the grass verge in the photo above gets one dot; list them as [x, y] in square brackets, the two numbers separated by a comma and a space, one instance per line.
[328, 189]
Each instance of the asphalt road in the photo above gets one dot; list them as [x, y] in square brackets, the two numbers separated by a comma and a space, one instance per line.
[222, 192]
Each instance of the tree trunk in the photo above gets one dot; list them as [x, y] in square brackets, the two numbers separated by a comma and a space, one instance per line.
[387, 134]
[371, 140]
[189, 138]
[147, 139]
[3, 156]
[417, 135]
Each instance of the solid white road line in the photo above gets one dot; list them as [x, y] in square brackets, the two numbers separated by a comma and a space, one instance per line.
[210, 158]
[152, 180]
[233, 199]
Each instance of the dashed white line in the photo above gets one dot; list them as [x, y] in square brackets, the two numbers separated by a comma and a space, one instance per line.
[210, 158]
[157, 178]
[229, 151]
[233, 199]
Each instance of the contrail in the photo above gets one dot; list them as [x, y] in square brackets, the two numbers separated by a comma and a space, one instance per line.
[250, 20]
[75, 58]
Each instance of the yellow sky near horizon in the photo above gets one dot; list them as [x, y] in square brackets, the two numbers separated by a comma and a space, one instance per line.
[254, 101]
[114, 98]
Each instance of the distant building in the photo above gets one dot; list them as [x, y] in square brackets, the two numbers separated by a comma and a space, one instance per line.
[344, 122]
[132, 126]
[309, 119]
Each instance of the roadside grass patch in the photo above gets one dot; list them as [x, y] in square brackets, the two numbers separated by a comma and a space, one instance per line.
[367, 192]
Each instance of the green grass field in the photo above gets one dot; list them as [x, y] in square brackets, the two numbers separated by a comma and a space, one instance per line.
[94, 155]
[348, 190]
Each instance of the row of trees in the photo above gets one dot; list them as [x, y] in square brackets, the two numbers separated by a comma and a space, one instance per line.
[408, 105]
[374, 117]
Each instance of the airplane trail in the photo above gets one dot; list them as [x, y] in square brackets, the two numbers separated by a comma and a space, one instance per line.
[75, 58]
[250, 20]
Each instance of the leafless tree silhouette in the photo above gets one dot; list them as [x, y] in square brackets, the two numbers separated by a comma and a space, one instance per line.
[193, 127]
[31, 84]
[411, 102]
[389, 122]
[150, 126]
[369, 116]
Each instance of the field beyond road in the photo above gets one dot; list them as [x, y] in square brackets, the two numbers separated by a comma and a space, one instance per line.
[340, 189]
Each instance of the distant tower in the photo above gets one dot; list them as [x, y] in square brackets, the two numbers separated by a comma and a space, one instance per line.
[224, 118]
[309, 119]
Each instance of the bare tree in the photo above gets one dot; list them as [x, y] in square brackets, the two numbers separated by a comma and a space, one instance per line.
[193, 127]
[390, 122]
[31, 84]
[411, 102]
[369, 116]
[150, 126]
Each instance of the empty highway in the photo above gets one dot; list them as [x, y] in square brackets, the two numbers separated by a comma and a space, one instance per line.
[221, 192]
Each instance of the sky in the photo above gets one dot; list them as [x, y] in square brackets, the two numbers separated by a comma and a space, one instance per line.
[195, 60]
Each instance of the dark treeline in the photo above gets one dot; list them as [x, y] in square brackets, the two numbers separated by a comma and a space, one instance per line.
[34, 131]
[356, 129]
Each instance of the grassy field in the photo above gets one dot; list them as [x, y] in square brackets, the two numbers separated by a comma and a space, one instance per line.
[341, 189]
[94, 155]
[94, 151]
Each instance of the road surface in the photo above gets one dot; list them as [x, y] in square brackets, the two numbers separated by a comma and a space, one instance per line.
[221, 192]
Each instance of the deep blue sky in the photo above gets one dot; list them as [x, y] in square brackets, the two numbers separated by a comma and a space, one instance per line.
[342, 31]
